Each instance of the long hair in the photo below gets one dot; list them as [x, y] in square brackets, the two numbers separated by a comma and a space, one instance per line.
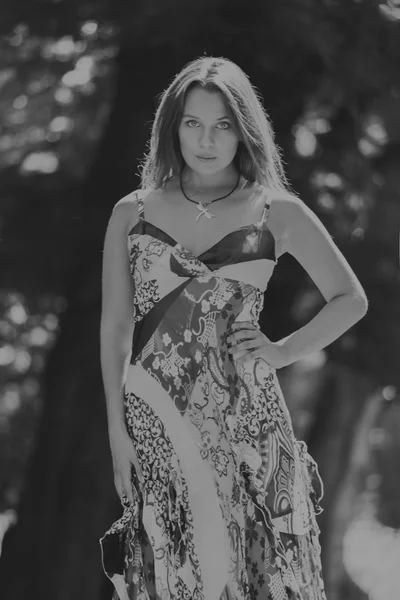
[257, 158]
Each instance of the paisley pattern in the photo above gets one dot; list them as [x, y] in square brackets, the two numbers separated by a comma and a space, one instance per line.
[227, 510]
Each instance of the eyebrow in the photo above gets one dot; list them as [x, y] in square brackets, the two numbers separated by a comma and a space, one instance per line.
[193, 117]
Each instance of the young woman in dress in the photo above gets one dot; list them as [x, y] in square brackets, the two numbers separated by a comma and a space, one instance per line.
[219, 497]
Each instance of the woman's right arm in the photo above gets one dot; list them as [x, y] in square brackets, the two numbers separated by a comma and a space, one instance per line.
[116, 330]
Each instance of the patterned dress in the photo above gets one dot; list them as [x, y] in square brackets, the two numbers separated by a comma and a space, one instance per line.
[228, 504]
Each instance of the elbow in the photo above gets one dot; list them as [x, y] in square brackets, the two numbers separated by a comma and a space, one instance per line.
[360, 302]
[357, 301]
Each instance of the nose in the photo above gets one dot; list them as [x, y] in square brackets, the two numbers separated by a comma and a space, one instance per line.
[207, 138]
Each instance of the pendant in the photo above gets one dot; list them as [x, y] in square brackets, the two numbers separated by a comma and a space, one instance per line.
[204, 212]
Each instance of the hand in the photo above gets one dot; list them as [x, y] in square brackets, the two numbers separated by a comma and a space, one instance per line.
[255, 344]
[123, 457]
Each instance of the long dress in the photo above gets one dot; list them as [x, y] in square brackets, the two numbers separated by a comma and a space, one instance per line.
[227, 510]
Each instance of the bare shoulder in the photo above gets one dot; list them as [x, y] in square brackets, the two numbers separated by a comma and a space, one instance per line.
[290, 215]
[285, 207]
[126, 210]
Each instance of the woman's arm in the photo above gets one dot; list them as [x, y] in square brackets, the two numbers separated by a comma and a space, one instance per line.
[306, 238]
[117, 313]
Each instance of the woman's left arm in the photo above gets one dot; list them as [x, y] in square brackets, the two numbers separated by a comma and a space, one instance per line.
[306, 238]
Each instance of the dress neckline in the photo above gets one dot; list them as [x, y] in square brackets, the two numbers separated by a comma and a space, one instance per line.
[175, 243]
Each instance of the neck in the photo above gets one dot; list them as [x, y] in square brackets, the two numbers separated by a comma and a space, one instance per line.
[200, 182]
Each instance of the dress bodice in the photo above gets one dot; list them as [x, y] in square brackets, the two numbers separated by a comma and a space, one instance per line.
[246, 254]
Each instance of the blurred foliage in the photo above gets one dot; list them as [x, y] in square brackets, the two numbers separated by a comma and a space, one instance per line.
[26, 340]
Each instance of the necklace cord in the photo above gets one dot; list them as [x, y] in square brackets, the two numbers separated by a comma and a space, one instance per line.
[210, 201]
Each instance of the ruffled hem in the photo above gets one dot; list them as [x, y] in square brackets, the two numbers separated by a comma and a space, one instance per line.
[292, 563]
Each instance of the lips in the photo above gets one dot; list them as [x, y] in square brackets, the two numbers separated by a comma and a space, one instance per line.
[205, 157]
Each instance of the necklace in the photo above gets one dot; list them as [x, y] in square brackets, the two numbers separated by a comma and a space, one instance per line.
[202, 206]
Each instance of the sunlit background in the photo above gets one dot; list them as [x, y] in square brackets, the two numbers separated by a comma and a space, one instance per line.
[78, 88]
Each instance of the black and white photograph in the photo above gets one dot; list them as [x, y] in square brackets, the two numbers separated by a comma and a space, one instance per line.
[200, 300]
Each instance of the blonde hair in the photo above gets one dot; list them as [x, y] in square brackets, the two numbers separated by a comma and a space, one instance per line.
[257, 158]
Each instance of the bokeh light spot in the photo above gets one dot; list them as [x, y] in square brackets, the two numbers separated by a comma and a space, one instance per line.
[305, 141]
[42, 162]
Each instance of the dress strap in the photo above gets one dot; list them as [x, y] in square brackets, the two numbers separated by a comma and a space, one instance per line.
[267, 205]
[140, 204]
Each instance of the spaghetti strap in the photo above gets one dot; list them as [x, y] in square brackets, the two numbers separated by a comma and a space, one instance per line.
[267, 205]
[140, 204]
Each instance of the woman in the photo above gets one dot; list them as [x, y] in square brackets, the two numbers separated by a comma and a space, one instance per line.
[219, 497]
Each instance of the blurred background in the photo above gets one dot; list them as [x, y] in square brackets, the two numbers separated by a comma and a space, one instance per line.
[79, 81]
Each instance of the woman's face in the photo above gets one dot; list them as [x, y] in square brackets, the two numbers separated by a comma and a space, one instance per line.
[207, 129]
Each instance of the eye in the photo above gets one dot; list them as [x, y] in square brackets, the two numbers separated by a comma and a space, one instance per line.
[191, 121]
[225, 123]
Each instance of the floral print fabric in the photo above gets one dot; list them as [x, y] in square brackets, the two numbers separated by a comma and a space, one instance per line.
[229, 501]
